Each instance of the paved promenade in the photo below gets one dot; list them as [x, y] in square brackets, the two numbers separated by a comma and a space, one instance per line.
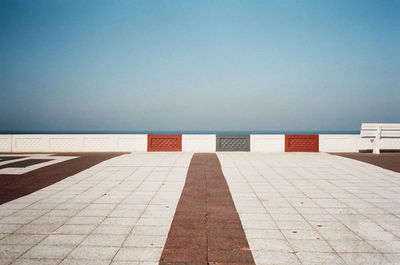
[118, 211]
[293, 208]
[315, 208]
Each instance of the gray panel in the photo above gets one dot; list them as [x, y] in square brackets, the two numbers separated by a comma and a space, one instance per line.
[233, 142]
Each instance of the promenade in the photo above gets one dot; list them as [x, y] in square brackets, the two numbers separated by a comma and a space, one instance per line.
[230, 207]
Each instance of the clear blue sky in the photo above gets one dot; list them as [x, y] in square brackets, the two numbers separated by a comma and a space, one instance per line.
[198, 65]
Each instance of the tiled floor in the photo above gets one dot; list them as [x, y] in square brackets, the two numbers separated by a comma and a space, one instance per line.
[314, 208]
[295, 208]
[118, 212]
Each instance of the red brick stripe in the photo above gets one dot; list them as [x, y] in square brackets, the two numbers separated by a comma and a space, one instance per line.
[206, 226]
[15, 186]
[389, 161]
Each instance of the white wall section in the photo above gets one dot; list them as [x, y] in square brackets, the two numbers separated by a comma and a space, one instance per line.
[198, 142]
[79, 142]
[267, 143]
[339, 142]
[5, 143]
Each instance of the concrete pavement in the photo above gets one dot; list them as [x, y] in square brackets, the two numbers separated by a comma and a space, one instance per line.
[295, 208]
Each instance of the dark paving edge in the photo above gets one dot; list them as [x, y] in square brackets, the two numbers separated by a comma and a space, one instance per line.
[206, 228]
[16, 186]
[390, 160]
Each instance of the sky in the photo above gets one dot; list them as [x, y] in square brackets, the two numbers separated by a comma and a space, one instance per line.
[198, 65]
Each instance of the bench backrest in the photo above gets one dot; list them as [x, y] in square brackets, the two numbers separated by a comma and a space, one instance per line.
[380, 130]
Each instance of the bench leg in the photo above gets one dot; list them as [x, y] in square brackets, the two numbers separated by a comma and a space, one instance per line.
[376, 150]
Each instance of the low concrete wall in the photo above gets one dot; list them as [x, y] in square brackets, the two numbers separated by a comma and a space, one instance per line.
[5, 142]
[198, 142]
[79, 142]
[267, 143]
[138, 143]
[339, 142]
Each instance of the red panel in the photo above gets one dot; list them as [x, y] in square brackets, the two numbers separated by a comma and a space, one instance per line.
[301, 143]
[164, 142]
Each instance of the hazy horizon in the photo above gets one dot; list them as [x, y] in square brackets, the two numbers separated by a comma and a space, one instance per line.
[198, 65]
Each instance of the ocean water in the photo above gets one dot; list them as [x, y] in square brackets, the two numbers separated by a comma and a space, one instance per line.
[181, 132]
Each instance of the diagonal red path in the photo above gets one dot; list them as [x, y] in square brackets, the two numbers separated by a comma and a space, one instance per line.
[206, 226]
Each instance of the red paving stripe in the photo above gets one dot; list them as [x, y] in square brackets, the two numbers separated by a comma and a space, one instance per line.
[389, 160]
[24, 163]
[15, 186]
[206, 228]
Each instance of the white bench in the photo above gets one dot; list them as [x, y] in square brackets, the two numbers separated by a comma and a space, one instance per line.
[379, 136]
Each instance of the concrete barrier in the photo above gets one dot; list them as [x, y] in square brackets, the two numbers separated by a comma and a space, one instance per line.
[198, 142]
[5, 142]
[339, 142]
[267, 143]
[138, 143]
[79, 142]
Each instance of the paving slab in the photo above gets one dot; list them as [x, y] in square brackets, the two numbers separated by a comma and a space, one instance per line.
[315, 208]
[115, 211]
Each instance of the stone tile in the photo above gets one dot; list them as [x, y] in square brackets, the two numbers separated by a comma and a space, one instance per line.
[317, 258]
[9, 228]
[48, 252]
[93, 253]
[139, 254]
[301, 234]
[392, 246]
[115, 262]
[294, 225]
[16, 220]
[145, 241]
[154, 221]
[364, 258]
[268, 257]
[21, 239]
[43, 220]
[23, 261]
[393, 258]
[287, 217]
[63, 240]
[131, 221]
[9, 253]
[104, 240]
[150, 230]
[84, 220]
[69, 261]
[113, 229]
[307, 245]
[351, 246]
[30, 213]
[339, 235]
[269, 244]
[37, 229]
[75, 229]
[264, 233]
